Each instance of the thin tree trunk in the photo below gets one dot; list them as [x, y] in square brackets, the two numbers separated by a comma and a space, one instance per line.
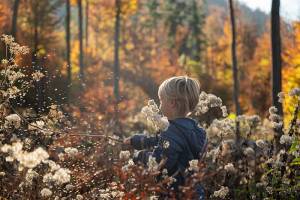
[81, 71]
[15, 18]
[234, 61]
[68, 44]
[276, 54]
[276, 66]
[235, 70]
[87, 24]
[116, 58]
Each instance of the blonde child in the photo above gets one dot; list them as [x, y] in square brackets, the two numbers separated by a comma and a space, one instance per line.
[183, 141]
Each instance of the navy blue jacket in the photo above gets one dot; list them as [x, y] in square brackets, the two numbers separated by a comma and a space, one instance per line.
[182, 142]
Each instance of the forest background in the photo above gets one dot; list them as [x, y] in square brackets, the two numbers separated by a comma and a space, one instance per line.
[104, 59]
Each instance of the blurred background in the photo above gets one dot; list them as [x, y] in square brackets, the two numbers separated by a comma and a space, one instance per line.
[108, 57]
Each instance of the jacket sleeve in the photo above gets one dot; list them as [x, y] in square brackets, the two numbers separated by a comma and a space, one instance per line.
[166, 149]
[141, 141]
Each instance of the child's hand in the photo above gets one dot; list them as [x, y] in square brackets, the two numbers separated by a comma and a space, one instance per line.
[127, 141]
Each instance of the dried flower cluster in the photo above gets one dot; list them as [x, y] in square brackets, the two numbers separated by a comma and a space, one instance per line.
[151, 112]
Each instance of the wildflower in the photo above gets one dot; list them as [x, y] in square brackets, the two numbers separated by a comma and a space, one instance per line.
[13, 76]
[281, 97]
[62, 176]
[61, 156]
[151, 102]
[276, 125]
[32, 159]
[47, 178]
[171, 180]
[214, 153]
[30, 175]
[286, 139]
[261, 144]
[4, 61]
[193, 165]
[224, 111]
[37, 75]
[130, 162]
[214, 101]
[9, 159]
[13, 91]
[166, 144]
[223, 127]
[152, 164]
[7, 39]
[222, 193]
[254, 120]
[70, 187]
[53, 166]
[151, 112]
[15, 147]
[163, 123]
[249, 151]
[274, 117]
[12, 120]
[46, 192]
[71, 151]
[269, 189]
[124, 155]
[164, 173]
[273, 110]
[229, 167]
[16, 49]
[295, 92]
[203, 104]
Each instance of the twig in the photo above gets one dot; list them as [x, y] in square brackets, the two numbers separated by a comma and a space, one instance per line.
[91, 135]
[70, 134]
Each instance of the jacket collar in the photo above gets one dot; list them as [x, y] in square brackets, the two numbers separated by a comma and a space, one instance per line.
[184, 121]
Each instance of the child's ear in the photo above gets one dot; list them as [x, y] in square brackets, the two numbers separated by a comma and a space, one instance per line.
[173, 103]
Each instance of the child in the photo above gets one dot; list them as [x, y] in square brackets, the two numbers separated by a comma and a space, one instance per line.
[183, 141]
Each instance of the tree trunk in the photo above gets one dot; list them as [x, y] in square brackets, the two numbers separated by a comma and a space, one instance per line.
[235, 71]
[116, 59]
[68, 44]
[276, 54]
[234, 61]
[276, 66]
[87, 24]
[15, 18]
[81, 72]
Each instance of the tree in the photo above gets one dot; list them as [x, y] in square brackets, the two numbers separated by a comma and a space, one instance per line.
[87, 24]
[276, 65]
[184, 21]
[116, 55]
[15, 17]
[276, 54]
[80, 37]
[68, 44]
[235, 70]
[234, 61]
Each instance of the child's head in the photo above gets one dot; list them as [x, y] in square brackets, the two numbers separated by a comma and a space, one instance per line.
[178, 96]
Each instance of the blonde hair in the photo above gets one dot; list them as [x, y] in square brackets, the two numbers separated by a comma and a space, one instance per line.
[184, 90]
